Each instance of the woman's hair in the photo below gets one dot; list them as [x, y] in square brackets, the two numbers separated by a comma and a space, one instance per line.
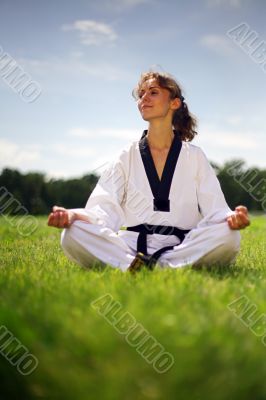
[183, 121]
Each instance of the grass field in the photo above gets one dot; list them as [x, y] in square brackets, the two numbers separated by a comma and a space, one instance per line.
[46, 305]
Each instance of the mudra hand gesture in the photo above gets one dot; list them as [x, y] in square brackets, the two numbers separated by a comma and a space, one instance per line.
[60, 217]
[240, 218]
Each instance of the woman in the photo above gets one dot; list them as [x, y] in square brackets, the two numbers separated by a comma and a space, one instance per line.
[161, 190]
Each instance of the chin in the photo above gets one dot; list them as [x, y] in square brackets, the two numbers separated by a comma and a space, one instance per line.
[145, 118]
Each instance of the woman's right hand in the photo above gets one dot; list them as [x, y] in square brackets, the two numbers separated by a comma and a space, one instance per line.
[60, 217]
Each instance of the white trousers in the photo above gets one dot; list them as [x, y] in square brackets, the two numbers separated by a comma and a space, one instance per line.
[207, 244]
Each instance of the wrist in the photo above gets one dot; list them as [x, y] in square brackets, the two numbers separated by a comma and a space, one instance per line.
[72, 216]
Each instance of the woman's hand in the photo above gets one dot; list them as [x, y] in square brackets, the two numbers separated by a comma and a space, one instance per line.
[240, 218]
[60, 217]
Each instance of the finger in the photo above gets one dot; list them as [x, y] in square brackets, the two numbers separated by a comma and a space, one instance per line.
[244, 220]
[233, 221]
[56, 209]
[242, 209]
[53, 220]
[239, 223]
[61, 219]
[57, 220]
[238, 219]
[230, 222]
[66, 220]
[50, 219]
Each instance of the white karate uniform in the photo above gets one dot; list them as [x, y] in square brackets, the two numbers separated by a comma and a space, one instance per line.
[123, 198]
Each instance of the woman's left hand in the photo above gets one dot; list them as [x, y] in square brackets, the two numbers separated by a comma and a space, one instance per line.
[240, 218]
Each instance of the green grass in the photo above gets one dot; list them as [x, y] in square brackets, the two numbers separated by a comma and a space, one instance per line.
[46, 304]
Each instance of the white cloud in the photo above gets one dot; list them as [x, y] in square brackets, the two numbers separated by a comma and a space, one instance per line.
[15, 156]
[129, 3]
[122, 5]
[227, 139]
[125, 134]
[76, 54]
[75, 65]
[60, 174]
[221, 144]
[235, 120]
[92, 32]
[29, 157]
[230, 3]
[73, 152]
[218, 43]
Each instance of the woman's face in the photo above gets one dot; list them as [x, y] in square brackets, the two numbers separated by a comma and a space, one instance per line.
[155, 102]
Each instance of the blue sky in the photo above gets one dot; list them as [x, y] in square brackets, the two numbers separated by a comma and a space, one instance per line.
[87, 55]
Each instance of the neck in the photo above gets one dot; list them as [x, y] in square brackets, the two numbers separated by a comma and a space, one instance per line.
[160, 137]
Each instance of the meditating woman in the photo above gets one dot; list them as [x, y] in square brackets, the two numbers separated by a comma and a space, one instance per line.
[160, 202]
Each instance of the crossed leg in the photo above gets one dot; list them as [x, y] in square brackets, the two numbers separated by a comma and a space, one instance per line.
[86, 243]
[208, 245]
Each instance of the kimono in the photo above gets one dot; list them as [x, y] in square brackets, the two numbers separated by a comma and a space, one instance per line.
[180, 219]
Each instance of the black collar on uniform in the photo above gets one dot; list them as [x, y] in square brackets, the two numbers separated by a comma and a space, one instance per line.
[160, 188]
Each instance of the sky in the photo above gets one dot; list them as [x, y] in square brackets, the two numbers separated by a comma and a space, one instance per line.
[81, 59]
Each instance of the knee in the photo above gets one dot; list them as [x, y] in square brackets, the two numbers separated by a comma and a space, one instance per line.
[225, 250]
[70, 244]
[68, 238]
[229, 245]
[231, 241]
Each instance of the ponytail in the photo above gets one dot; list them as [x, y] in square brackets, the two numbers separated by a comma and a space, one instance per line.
[184, 122]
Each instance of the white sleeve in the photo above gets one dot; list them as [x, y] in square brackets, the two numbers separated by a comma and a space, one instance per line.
[211, 200]
[104, 204]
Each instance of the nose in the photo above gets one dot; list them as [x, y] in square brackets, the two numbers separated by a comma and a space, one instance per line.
[145, 98]
[146, 95]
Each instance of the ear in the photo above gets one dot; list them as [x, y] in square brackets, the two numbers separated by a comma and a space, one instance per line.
[175, 103]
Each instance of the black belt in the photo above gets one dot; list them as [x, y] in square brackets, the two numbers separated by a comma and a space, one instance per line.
[146, 229]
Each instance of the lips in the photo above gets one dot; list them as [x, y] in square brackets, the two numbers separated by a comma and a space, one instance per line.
[144, 107]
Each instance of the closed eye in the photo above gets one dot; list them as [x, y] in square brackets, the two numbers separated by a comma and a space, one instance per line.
[151, 91]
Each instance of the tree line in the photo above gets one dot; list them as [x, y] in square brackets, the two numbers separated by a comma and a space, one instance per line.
[35, 193]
